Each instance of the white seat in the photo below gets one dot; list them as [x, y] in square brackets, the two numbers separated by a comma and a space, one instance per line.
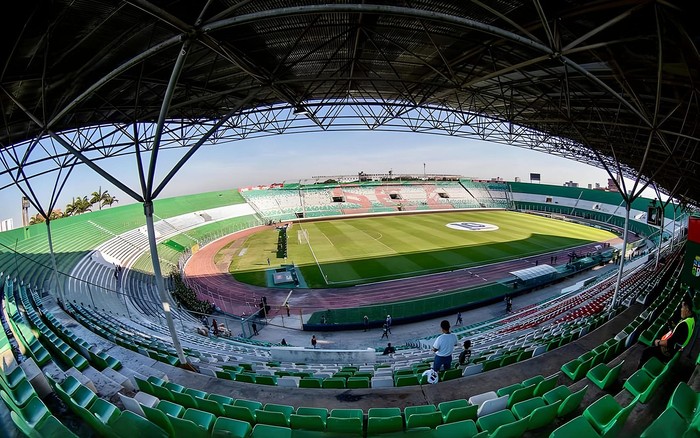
[473, 369]
[382, 382]
[289, 381]
[492, 405]
[479, 399]
[131, 404]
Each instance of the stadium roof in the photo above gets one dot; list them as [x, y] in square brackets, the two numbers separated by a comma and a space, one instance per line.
[534, 272]
[608, 83]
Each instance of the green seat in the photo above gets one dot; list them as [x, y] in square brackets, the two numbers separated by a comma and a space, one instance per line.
[211, 406]
[642, 385]
[407, 380]
[572, 402]
[311, 382]
[334, 382]
[230, 428]
[559, 393]
[545, 385]
[420, 409]
[203, 419]
[246, 377]
[226, 375]
[464, 428]
[577, 368]
[21, 393]
[195, 393]
[344, 425]
[12, 379]
[685, 401]
[358, 382]
[250, 404]
[174, 387]
[521, 394]
[607, 416]
[272, 418]
[347, 413]
[451, 374]
[50, 427]
[578, 427]
[537, 411]
[603, 376]
[184, 399]
[320, 412]
[33, 412]
[158, 418]
[307, 422]
[383, 412]
[669, 424]
[508, 390]
[104, 411]
[385, 424]
[162, 393]
[83, 396]
[446, 406]
[222, 399]
[511, 430]
[186, 428]
[266, 380]
[131, 425]
[424, 419]
[241, 413]
[491, 422]
[270, 431]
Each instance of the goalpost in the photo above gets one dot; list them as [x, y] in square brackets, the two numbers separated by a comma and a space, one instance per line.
[303, 236]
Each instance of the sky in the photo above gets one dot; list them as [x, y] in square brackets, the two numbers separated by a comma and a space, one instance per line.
[291, 157]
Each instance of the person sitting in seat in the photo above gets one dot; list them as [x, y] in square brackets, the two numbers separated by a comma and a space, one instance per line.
[676, 339]
[389, 349]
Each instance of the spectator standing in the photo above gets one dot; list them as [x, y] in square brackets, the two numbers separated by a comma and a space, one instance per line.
[286, 306]
[215, 327]
[268, 261]
[255, 329]
[284, 342]
[388, 323]
[459, 318]
[443, 347]
[313, 341]
[365, 322]
[385, 332]
[676, 339]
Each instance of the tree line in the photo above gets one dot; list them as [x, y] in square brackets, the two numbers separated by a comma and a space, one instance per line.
[79, 205]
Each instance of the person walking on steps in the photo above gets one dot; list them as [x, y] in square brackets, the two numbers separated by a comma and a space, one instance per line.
[365, 322]
[313, 341]
[385, 332]
[459, 318]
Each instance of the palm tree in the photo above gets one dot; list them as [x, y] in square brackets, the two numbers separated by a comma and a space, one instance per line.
[99, 197]
[78, 206]
[109, 200]
[36, 219]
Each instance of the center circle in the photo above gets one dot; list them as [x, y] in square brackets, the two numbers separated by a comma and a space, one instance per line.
[471, 226]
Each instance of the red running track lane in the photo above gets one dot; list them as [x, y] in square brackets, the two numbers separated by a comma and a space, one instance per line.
[238, 298]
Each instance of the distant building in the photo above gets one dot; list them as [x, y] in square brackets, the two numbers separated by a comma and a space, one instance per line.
[590, 186]
[517, 179]
[611, 185]
[7, 225]
[570, 184]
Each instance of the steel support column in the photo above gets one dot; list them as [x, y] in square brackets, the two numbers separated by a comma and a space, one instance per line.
[628, 206]
[148, 212]
[53, 262]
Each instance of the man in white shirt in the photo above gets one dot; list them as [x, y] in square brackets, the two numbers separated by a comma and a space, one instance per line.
[443, 347]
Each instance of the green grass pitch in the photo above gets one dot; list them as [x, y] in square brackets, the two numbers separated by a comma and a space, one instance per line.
[346, 252]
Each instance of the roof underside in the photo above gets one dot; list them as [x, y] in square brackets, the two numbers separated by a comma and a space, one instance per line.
[611, 81]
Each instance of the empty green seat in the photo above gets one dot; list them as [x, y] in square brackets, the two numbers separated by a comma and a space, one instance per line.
[49, 427]
[491, 422]
[334, 382]
[464, 428]
[521, 394]
[131, 425]
[222, 399]
[311, 382]
[347, 413]
[358, 382]
[266, 380]
[424, 419]
[208, 405]
[159, 418]
[406, 380]
[383, 412]
[246, 377]
[508, 390]
[607, 416]
[307, 422]
[544, 385]
[250, 404]
[385, 424]
[271, 417]
[241, 413]
[685, 401]
[201, 418]
[669, 424]
[537, 411]
[231, 428]
[603, 376]
[577, 368]
[186, 428]
[578, 427]
[268, 431]
[569, 401]
[344, 425]
[184, 399]
[33, 412]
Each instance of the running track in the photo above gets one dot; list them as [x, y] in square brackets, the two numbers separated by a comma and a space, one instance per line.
[241, 299]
